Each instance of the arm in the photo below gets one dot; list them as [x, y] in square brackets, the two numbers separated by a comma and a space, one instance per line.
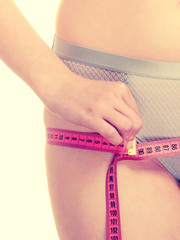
[26, 53]
[101, 106]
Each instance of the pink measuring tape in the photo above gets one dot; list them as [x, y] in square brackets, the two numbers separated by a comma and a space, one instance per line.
[94, 141]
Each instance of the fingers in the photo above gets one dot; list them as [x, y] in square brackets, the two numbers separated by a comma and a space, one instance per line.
[129, 100]
[126, 105]
[126, 119]
[114, 125]
[123, 93]
[106, 130]
[127, 126]
[114, 115]
[123, 124]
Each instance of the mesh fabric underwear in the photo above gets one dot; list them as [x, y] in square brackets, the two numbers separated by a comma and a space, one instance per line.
[154, 85]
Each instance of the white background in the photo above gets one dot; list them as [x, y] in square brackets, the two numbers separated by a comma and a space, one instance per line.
[25, 210]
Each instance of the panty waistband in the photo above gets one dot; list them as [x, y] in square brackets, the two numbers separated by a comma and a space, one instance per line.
[115, 62]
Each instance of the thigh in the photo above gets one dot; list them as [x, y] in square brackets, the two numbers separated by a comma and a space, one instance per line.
[76, 179]
[149, 195]
[149, 198]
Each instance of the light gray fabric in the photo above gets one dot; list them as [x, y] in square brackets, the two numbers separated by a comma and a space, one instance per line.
[159, 103]
[158, 100]
[115, 62]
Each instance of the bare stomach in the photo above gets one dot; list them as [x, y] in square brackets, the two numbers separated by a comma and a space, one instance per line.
[149, 196]
[147, 29]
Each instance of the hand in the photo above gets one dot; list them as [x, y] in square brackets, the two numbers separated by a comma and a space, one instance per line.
[103, 106]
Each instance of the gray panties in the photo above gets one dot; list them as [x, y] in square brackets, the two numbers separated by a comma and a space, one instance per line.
[154, 85]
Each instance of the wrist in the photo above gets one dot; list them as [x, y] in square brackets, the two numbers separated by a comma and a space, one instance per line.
[52, 84]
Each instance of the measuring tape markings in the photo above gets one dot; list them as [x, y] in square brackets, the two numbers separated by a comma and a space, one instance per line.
[82, 140]
[94, 141]
[113, 229]
[86, 140]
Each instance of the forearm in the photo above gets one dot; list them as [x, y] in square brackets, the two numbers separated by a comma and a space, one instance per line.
[26, 53]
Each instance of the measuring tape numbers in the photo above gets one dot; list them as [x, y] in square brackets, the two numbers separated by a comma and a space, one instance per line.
[94, 141]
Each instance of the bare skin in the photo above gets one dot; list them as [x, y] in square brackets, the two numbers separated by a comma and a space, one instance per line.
[149, 196]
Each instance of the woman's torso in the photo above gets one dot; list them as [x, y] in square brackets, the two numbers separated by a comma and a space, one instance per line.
[147, 29]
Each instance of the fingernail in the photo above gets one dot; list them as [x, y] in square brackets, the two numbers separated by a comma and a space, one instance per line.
[130, 144]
